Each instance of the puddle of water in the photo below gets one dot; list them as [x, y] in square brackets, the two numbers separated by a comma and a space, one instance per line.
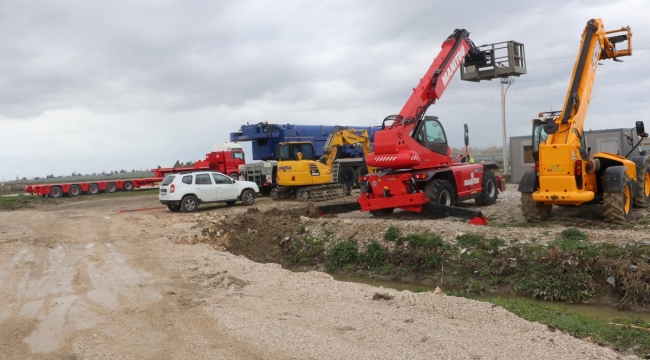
[49, 335]
[601, 312]
[103, 296]
[32, 308]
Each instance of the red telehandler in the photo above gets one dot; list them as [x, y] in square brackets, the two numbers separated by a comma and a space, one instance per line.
[416, 172]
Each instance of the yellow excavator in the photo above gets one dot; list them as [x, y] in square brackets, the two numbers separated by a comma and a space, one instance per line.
[323, 179]
[566, 173]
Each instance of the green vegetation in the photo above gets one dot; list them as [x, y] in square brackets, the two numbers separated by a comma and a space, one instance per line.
[8, 203]
[392, 233]
[569, 268]
[382, 296]
[628, 335]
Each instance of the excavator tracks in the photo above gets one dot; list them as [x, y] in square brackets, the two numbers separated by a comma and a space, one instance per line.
[310, 193]
[321, 192]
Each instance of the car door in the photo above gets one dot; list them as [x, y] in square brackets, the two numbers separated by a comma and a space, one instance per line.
[205, 188]
[227, 188]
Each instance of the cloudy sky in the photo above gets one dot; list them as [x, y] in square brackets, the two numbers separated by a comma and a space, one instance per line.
[90, 86]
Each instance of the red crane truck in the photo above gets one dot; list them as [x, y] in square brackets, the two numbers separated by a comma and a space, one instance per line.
[224, 158]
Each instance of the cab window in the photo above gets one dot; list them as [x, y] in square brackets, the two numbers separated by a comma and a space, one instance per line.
[435, 133]
[238, 155]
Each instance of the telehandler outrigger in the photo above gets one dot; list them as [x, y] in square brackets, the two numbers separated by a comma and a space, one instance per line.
[565, 171]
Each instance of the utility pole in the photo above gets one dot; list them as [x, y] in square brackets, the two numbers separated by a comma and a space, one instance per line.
[504, 90]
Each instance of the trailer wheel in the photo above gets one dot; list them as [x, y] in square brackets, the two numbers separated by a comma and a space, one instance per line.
[382, 212]
[489, 192]
[441, 192]
[128, 186]
[173, 208]
[56, 192]
[234, 176]
[111, 188]
[248, 197]
[190, 203]
[347, 176]
[617, 205]
[642, 199]
[93, 189]
[75, 190]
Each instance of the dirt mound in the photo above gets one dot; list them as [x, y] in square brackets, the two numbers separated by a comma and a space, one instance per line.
[257, 235]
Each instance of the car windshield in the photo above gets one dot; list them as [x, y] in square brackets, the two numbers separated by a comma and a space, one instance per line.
[168, 180]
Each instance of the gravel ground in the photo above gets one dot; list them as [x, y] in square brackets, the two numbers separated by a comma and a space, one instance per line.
[100, 280]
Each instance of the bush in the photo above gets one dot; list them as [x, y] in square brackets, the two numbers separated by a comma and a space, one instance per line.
[374, 256]
[341, 254]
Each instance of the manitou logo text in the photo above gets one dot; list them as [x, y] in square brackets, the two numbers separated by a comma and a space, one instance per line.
[471, 181]
[458, 59]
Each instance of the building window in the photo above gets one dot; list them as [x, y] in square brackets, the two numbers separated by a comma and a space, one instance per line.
[528, 154]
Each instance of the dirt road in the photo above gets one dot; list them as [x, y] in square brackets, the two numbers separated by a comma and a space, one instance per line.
[88, 280]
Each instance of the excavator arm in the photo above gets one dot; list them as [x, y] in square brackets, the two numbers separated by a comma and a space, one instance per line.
[344, 136]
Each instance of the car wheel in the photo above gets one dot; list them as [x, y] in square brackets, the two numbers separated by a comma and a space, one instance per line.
[174, 207]
[190, 203]
[248, 197]
[231, 203]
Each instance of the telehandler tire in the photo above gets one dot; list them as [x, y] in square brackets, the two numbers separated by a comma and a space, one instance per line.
[534, 211]
[441, 192]
[642, 199]
[489, 189]
[617, 205]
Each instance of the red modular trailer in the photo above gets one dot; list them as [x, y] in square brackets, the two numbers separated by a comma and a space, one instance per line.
[90, 187]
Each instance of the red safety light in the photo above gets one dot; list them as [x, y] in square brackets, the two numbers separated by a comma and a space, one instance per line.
[420, 176]
[293, 178]
[172, 188]
[578, 170]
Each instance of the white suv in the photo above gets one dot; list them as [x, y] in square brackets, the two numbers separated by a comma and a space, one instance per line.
[185, 191]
